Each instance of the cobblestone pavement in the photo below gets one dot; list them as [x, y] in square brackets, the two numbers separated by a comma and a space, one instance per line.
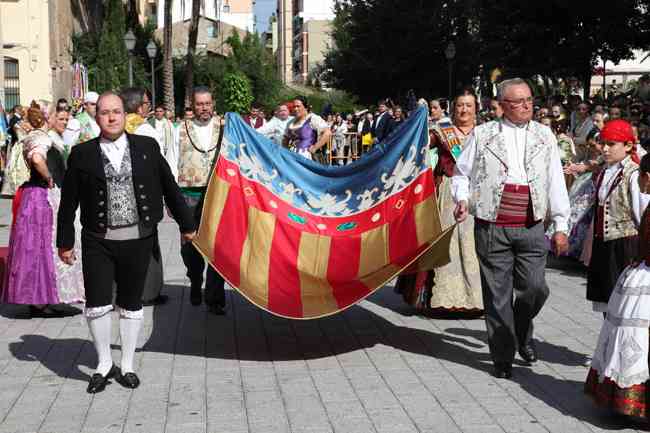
[375, 368]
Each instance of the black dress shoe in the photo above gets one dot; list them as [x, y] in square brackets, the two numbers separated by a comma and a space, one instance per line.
[528, 353]
[217, 310]
[128, 380]
[98, 382]
[158, 300]
[502, 370]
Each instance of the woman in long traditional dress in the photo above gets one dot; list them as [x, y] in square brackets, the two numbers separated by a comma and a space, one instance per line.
[455, 287]
[307, 133]
[35, 275]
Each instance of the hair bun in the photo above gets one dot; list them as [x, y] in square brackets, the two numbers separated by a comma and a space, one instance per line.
[35, 116]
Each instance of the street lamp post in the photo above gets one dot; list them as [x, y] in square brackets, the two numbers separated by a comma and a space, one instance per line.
[129, 42]
[152, 49]
[450, 53]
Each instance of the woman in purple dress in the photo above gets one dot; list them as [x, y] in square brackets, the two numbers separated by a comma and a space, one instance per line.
[307, 133]
[35, 275]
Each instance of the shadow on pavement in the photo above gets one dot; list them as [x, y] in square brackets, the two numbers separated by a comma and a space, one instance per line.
[60, 356]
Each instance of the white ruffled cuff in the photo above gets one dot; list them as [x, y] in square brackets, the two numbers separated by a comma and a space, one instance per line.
[128, 314]
[95, 312]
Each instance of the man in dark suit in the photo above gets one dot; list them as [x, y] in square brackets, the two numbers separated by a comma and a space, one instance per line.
[383, 124]
[119, 181]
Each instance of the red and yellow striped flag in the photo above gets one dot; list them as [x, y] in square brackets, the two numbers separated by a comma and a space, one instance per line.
[290, 255]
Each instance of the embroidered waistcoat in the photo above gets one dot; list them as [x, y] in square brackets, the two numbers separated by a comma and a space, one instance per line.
[490, 169]
[194, 163]
[617, 210]
[122, 206]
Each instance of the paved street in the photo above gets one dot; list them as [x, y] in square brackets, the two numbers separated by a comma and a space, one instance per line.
[374, 368]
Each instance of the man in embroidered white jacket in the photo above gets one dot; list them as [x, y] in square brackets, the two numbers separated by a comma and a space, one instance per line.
[508, 176]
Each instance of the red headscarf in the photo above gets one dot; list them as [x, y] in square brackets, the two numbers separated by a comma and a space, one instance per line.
[620, 131]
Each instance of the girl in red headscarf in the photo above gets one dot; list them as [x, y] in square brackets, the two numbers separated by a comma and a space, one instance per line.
[619, 378]
[619, 206]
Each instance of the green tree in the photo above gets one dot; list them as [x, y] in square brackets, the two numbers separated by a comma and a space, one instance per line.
[237, 92]
[112, 58]
[105, 55]
[558, 39]
[250, 57]
[384, 48]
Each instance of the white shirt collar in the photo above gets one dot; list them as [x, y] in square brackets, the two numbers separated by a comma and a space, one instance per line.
[510, 124]
[120, 142]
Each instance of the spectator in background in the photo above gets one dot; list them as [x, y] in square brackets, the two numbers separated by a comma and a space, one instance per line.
[496, 112]
[275, 128]
[62, 104]
[436, 112]
[557, 112]
[598, 120]
[614, 113]
[254, 119]
[398, 116]
[188, 113]
[383, 124]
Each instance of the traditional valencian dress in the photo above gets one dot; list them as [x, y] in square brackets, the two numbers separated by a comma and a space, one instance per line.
[35, 274]
[303, 134]
[618, 378]
[455, 287]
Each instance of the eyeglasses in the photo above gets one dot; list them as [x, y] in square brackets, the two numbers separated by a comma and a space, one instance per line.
[519, 102]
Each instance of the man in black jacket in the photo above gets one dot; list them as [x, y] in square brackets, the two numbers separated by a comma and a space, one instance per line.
[119, 181]
[383, 123]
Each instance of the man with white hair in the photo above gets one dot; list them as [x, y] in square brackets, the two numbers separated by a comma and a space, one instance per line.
[510, 177]
[83, 127]
[277, 126]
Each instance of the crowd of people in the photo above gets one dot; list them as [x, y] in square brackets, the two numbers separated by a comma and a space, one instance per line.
[517, 176]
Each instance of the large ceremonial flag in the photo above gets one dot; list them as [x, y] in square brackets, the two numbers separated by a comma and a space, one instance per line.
[304, 240]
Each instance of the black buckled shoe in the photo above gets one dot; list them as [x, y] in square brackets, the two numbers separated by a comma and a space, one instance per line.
[528, 353]
[128, 380]
[98, 382]
[502, 370]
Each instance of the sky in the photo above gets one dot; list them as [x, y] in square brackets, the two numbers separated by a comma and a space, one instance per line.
[263, 10]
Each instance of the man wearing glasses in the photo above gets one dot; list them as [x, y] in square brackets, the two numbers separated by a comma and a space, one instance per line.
[509, 176]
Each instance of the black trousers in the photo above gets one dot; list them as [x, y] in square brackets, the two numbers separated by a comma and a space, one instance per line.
[511, 259]
[195, 264]
[123, 262]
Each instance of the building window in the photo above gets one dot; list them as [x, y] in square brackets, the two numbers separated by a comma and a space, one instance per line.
[12, 82]
[212, 30]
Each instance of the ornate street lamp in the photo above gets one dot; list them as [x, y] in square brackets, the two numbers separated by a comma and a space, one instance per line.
[129, 42]
[450, 53]
[152, 50]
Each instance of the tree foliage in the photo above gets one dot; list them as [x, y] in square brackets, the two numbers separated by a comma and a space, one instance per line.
[386, 46]
[105, 55]
[237, 92]
[250, 56]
